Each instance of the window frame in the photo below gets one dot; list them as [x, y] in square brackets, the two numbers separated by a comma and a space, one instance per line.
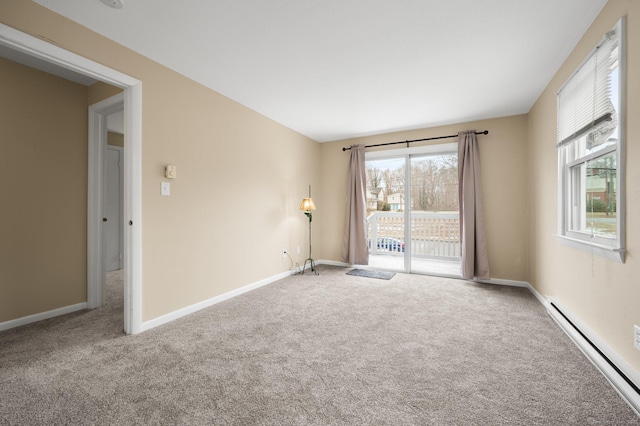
[608, 247]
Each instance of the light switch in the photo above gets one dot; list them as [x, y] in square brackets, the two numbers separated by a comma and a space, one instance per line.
[165, 188]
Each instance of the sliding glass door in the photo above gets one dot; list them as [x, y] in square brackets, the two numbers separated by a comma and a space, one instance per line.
[412, 211]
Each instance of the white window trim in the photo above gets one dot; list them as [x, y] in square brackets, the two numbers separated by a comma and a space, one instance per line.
[615, 254]
[615, 251]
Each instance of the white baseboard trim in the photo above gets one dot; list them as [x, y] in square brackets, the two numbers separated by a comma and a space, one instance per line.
[543, 301]
[163, 319]
[514, 283]
[42, 316]
[333, 263]
[510, 283]
[579, 333]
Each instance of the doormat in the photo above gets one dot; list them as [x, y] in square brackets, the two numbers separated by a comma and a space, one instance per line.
[371, 274]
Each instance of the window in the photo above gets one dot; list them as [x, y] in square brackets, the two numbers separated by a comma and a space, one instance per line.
[591, 150]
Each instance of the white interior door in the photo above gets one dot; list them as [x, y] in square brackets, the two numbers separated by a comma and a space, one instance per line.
[113, 226]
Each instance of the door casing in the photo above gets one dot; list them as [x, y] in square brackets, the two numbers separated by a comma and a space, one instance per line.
[132, 100]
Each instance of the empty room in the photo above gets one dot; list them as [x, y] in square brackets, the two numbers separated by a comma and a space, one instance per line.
[367, 212]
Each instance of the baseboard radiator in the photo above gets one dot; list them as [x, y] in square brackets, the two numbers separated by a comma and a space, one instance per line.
[621, 382]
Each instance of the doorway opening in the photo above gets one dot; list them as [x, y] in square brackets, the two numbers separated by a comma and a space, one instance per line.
[107, 135]
[132, 201]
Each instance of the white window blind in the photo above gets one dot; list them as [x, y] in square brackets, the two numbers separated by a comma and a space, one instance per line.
[584, 102]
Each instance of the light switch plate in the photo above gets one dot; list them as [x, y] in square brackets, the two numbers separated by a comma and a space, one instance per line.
[165, 188]
[636, 336]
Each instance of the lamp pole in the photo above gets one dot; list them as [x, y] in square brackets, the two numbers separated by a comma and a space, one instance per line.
[309, 259]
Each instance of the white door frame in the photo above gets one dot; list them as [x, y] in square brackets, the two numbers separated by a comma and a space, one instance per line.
[132, 98]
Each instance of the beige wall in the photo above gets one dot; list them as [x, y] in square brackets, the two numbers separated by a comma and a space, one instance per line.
[115, 139]
[603, 294]
[43, 225]
[241, 176]
[503, 164]
[100, 91]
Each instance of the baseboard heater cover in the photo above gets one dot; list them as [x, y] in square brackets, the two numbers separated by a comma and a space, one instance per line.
[629, 390]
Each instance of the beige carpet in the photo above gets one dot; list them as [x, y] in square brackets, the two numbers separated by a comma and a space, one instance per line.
[328, 349]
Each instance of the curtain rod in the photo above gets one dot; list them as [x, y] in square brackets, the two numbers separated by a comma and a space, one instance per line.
[486, 132]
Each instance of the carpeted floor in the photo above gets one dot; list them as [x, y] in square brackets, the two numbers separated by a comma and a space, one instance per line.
[328, 349]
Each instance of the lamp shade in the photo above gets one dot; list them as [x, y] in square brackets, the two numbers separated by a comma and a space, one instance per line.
[307, 205]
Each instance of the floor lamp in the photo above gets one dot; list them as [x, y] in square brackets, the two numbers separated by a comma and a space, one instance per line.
[306, 206]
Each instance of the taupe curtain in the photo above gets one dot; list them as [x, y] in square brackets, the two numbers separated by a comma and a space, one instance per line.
[354, 247]
[475, 262]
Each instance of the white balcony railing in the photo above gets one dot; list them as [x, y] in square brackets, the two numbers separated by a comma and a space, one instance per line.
[433, 235]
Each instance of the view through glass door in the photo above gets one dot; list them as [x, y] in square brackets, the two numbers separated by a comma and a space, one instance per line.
[416, 230]
[434, 217]
[385, 213]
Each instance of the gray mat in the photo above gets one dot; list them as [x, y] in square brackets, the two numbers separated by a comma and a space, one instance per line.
[371, 274]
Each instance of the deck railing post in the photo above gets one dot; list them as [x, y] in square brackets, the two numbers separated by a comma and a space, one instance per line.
[373, 236]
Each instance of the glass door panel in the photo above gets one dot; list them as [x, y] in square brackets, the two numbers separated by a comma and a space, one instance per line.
[434, 231]
[385, 213]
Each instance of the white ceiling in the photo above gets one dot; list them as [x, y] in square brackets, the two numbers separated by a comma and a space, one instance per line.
[341, 69]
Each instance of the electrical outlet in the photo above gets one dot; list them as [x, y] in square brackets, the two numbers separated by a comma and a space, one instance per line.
[298, 249]
[284, 253]
[636, 336]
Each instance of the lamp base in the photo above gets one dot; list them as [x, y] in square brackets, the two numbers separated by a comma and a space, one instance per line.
[313, 266]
